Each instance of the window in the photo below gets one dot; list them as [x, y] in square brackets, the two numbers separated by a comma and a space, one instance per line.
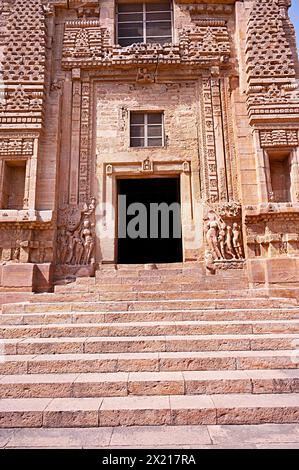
[144, 22]
[146, 130]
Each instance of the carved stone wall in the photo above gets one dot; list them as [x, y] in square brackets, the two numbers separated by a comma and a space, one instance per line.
[223, 236]
[228, 88]
[75, 254]
[23, 62]
[272, 86]
[87, 44]
[26, 235]
[273, 231]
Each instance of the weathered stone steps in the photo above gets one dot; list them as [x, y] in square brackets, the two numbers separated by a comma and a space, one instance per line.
[89, 385]
[136, 347]
[149, 289]
[86, 303]
[140, 329]
[152, 361]
[74, 317]
[150, 410]
[86, 344]
[106, 295]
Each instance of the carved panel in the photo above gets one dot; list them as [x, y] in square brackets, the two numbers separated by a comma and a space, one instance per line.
[223, 236]
[274, 233]
[279, 138]
[84, 171]
[16, 147]
[76, 235]
[22, 244]
[209, 139]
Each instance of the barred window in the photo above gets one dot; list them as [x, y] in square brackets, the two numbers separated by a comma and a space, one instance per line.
[146, 129]
[144, 23]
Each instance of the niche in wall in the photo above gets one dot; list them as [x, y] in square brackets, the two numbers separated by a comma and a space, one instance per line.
[13, 185]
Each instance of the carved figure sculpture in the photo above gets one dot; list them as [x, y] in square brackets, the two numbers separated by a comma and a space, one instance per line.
[229, 242]
[79, 249]
[237, 242]
[87, 241]
[75, 239]
[70, 247]
[212, 239]
[222, 239]
[209, 260]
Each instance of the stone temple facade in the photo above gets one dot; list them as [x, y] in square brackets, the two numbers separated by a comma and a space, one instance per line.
[198, 97]
[149, 214]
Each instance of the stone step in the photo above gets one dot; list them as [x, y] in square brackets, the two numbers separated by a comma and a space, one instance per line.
[87, 304]
[88, 385]
[150, 410]
[159, 287]
[138, 272]
[148, 361]
[74, 317]
[228, 342]
[107, 295]
[131, 329]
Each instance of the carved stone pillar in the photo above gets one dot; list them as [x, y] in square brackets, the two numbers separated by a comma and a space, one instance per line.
[211, 179]
[33, 177]
[219, 140]
[262, 170]
[75, 138]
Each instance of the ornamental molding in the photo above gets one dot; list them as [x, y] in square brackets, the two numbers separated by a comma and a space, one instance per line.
[279, 138]
[87, 45]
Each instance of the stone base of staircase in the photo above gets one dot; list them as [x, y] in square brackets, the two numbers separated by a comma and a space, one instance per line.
[143, 347]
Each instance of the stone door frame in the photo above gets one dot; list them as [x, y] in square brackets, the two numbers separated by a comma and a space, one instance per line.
[106, 228]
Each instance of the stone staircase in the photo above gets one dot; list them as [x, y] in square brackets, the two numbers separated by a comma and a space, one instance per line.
[150, 347]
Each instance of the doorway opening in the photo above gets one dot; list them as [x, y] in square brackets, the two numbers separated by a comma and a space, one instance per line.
[149, 221]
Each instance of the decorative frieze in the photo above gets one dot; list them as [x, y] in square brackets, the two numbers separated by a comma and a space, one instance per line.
[86, 44]
[274, 232]
[210, 8]
[22, 243]
[84, 170]
[279, 138]
[16, 147]
[212, 194]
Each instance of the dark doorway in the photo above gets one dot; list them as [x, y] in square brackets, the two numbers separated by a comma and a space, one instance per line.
[153, 244]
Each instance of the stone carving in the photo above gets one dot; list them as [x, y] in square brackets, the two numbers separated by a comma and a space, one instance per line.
[20, 245]
[272, 233]
[223, 235]
[16, 147]
[212, 193]
[144, 76]
[76, 235]
[23, 63]
[206, 9]
[147, 166]
[279, 138]
[87, 43]
[272, 87]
